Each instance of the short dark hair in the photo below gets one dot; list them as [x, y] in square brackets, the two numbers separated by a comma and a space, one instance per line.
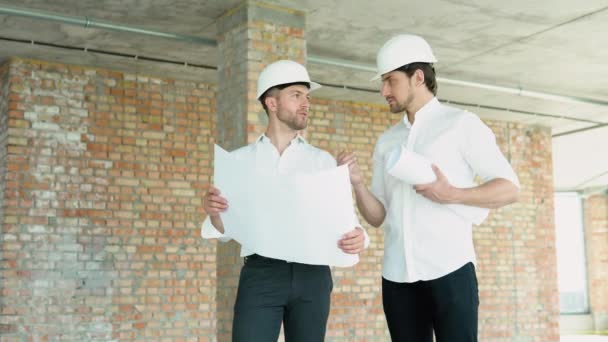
[428, 70]
[271, 91]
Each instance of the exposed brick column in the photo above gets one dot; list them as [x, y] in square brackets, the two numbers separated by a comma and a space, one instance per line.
[596, 240]
[251, 36]
[4, 89]
[6, 326]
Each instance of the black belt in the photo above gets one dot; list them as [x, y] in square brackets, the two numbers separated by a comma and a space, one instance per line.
[261, 257]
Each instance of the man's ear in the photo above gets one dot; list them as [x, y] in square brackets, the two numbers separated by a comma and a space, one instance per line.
[419, 77]
[271, 103]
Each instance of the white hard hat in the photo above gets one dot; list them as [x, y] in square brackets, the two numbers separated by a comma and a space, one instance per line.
[402, 50]
[283, 72]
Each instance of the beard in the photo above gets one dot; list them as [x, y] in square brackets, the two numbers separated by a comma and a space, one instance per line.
[396, 108]
[294, 122]
[400, 107]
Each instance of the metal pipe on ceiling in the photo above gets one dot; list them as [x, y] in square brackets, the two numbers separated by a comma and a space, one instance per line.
[599, 125]
[109, 53]
[90, 22]
[509, 90]
[94, 23]
[591, 179]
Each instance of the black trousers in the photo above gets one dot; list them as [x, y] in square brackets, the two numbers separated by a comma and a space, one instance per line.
[273, 291]
[447, 305]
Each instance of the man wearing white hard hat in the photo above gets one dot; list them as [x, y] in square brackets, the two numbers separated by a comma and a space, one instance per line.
[274, 291]
[429, 285]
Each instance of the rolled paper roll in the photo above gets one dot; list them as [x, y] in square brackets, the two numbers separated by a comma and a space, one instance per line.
[409, 166]
[413, 168]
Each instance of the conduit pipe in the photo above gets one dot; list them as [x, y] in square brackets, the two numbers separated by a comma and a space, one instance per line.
[94, 23]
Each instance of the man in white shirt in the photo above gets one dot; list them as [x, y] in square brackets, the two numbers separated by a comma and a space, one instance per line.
[429, 282]
[272, 291]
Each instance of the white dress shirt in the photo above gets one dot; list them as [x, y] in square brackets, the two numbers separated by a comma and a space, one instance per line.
[298, 157]
[425, 240]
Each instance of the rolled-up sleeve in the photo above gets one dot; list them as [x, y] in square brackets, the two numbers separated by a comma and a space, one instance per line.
[357, 224]
[482, 153]
[208, 231]
[377, 187]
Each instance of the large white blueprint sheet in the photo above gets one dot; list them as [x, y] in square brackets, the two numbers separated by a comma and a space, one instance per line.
[297, 218]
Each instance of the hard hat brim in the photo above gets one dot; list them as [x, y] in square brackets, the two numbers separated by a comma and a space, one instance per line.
[379, 74]
[313, 86]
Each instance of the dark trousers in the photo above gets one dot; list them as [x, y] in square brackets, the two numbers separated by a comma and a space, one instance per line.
[447, 305]
[273, 291]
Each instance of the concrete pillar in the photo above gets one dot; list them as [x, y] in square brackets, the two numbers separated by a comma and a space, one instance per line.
[250, 36]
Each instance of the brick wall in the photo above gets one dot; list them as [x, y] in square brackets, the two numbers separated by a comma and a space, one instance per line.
[596, 239]
[5, 328]
[100, 233]
[516, 246]
[103, 204]
[3, 139]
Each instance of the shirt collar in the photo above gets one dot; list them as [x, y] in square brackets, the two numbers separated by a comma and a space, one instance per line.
[298, 138]
[423, 112]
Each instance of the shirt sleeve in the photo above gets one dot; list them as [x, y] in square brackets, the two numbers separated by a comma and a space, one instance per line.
[326, 161]
[377, 187]
[482, 153]
[357, 224]
[208, 231]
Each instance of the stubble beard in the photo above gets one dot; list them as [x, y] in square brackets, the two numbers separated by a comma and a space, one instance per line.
[397, 108]
[400, 107]
[294, 123]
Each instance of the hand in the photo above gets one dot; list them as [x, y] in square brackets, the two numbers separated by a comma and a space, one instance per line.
[440, 191]
[353, 241]
[350, 159]
[214, 204]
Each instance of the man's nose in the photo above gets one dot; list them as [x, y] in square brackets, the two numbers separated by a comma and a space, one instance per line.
[385, 90]
[305, 103]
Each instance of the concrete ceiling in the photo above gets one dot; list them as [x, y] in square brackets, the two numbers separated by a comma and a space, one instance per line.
[553, 47]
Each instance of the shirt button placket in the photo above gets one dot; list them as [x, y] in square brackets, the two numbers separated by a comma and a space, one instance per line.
[405, 234]
[407, 220]
[409, 235]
